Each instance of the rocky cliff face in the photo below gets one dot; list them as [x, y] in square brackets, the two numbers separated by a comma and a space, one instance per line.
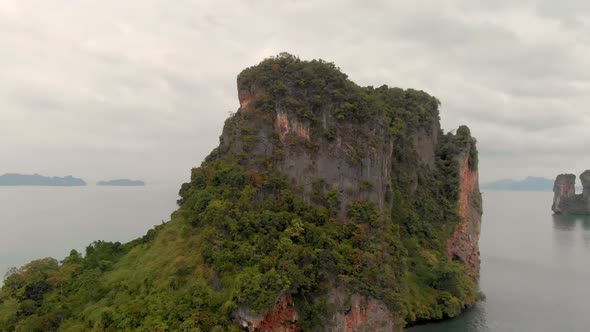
[355, 313]
[282, 317]
[323, 150]
[463, 245]
[348, 313]
[310, 159]
[320, 153]
[565, 200]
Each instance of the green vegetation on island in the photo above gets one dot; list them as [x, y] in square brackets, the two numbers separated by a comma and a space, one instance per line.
[245, 233]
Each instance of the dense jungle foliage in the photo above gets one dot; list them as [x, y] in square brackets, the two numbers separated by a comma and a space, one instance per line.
[243, 234]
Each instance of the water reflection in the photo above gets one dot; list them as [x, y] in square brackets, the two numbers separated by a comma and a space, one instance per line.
[564, 237]
[568, 223]
[564, 222]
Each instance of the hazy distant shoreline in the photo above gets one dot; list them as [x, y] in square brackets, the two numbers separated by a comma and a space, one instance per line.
[18, 180]
[14, 179]
[121, 183]
[531, 183]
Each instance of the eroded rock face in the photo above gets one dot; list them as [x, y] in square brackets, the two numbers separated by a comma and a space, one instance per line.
[565, 200]
[334, 159]
[246, 96]
[463, 245]
[356, 313]
[335, 156]
[347, 313]
[425, 144]
[286, 126]
[282, 317]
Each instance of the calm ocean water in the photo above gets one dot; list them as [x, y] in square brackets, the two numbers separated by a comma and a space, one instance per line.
[37, 222]
[535, 267]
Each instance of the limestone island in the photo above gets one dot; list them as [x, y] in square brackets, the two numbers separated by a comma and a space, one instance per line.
[13, 179]
[565, 200]
[121, 183]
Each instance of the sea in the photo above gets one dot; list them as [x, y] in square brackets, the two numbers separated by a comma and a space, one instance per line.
[535, 267]
[38, 222]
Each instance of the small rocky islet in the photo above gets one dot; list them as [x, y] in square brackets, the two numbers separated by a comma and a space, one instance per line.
[565, 199]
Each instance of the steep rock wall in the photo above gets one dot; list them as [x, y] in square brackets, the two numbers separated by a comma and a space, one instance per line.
[463, 245]
[355, 161]
[425, 143]
[347, 313]
[335, 161]
[356, 313]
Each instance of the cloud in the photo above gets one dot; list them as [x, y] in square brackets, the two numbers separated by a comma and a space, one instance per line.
[141, 88]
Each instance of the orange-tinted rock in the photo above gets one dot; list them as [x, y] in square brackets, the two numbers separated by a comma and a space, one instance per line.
[463, 244]
[565, 185]
[286, 126]
[282, 317]
[245, 97]
[349, 313]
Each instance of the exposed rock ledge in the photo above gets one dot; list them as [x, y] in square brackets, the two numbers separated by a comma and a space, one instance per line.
[348, 313]
[565, 200]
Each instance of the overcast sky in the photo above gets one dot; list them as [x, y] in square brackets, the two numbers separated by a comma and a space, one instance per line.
[140, 88]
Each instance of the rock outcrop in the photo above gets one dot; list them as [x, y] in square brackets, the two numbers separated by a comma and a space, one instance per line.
[565, 199]
[282, 317]
[336, 161]
[355, 160]
[346, 313]
[356, 313]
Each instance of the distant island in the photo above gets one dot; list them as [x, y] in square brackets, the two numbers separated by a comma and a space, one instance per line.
[121, 183]
[13, 179]
[531, 183]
